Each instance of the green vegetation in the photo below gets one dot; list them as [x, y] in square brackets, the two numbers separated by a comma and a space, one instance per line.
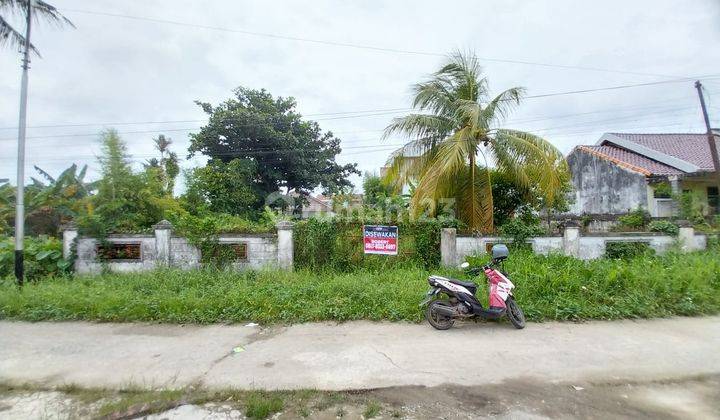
[552, 287]
[139, 401]
[664, 226]
[133, 401]
[260, 405]
[662, 190]
[692, 208]
[336, 243]
[273, 146]
[521, 228]
[371, 410]
[614, 250]
[43, 258]
[635, 220]
[458, 121]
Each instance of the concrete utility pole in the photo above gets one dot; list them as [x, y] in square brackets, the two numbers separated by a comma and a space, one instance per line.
[20, 197]
[710, 134]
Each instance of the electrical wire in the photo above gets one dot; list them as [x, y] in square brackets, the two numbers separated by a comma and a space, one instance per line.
[546, 95]
[352, 45]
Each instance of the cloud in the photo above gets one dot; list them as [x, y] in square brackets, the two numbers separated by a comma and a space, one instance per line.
[112, 70]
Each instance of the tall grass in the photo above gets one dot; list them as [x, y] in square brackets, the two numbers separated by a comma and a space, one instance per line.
[553, 287]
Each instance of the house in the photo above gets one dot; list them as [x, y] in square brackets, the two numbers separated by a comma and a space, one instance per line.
[329, 205]
[317, 205]
[625, 171]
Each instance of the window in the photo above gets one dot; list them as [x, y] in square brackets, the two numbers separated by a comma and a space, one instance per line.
[226, 252]
[713, 199]
[119, 251]
[240, 251]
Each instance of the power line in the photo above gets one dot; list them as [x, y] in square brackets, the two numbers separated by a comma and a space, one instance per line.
[62, 125]
[383, 112]
[355, 46]
[362, 149]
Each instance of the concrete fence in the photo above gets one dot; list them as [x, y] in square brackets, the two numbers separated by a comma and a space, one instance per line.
[140, 252]
[454, 248]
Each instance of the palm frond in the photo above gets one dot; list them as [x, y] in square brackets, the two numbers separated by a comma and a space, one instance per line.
[41, 11]
[425, 130]
[542, 161]
[9, 36]
[500, 107]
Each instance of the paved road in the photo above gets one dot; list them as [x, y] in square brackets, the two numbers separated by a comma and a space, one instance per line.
[355, 355]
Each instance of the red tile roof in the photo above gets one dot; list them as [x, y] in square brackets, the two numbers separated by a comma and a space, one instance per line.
[692, 148]
[630, 160]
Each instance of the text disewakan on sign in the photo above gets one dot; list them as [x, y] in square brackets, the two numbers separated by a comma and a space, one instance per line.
[380, 239]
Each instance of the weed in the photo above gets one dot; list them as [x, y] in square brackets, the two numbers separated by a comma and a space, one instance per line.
[371, 410]
[259, 405]
[548, 287]
[141, 401]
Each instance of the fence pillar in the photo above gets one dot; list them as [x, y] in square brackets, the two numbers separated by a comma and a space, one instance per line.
[163, 235]
[70, 233]
[686, 236]
[285, 246]
[571, 239]
[448, 247]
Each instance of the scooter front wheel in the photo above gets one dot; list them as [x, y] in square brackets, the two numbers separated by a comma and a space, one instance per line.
[514, 313]
[437, 320]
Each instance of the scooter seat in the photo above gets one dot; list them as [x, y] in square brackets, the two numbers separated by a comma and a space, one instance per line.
[466, 284]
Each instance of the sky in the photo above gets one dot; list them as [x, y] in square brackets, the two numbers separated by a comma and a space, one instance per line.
[350, 66]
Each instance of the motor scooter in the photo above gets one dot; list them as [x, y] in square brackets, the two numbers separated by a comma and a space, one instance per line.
[451, 299]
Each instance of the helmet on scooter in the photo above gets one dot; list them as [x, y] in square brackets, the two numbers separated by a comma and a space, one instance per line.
[500, 252]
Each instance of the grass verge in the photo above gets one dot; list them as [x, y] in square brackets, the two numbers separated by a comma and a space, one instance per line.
[548, 288]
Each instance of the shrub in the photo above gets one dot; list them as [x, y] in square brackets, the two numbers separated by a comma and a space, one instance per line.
[691, 208]
[662, 190]
[636, 219]
[520, 230]
[336, 243]
[627, 249]
[43, 258]
[664, 226]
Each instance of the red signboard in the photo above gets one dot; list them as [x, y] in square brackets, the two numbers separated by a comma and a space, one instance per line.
[380, 239]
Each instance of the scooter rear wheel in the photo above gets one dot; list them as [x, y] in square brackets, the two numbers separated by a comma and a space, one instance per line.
[438, 321]
[514, 313]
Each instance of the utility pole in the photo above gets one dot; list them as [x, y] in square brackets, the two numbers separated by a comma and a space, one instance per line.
[710, 134]
[20, 196]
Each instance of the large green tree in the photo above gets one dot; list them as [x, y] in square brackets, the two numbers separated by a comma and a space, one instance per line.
[455, 142]
[14, 38]
[286, 150]
[223, 188]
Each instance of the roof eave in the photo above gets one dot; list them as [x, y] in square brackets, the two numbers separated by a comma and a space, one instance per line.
[680, 164]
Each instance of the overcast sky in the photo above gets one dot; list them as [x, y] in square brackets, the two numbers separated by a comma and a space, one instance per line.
[124, 73]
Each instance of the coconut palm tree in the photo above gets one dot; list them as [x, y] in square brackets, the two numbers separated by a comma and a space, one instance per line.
[15, 39]
[455, 142]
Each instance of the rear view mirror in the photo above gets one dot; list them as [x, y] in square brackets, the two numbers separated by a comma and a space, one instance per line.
[465, 265]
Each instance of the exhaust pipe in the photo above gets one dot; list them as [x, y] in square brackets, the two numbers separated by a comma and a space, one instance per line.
[447, 311]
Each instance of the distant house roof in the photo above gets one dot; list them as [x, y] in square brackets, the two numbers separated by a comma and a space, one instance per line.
[631, 160]
[656, 154]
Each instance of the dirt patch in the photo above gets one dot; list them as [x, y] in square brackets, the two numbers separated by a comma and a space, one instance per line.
[697, 397]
